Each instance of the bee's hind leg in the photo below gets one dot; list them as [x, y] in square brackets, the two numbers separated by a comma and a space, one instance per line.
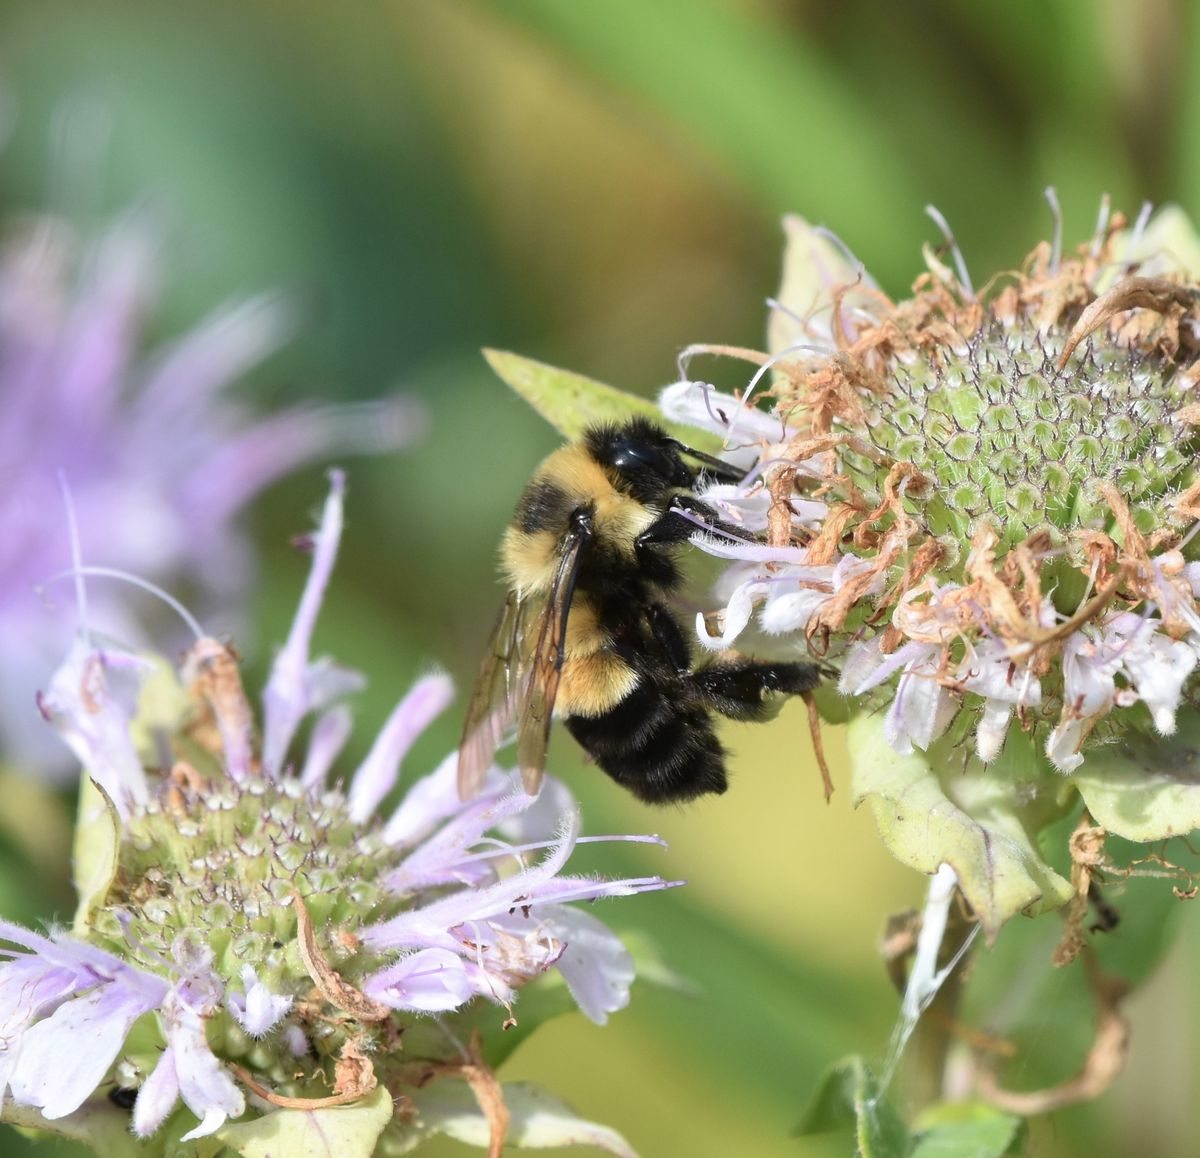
[746, 689]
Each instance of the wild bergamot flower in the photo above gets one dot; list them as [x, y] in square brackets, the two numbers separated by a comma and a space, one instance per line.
[259, 957]
[159, 458]
[979, 503]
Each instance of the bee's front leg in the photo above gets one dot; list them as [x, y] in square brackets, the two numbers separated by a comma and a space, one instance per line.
[682, 519]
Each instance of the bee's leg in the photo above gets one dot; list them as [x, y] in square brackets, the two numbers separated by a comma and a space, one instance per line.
[742, 689]
[667, 634]
[684, 517]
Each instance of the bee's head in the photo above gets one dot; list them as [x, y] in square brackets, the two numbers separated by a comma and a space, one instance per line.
[642, 458]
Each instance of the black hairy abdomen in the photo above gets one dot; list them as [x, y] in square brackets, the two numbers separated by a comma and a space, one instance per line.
[658, 742]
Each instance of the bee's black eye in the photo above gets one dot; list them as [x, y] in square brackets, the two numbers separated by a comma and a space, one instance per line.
[644, 459]
[634, 456]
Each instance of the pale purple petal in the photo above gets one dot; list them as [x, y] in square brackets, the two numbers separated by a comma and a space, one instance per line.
[93, 713]
[157, 1096]
[285, 700]
[96, 342]
[63, 1058]
[376, 775]
[329, 736]
[596, 966]
[1158, 668]
[426, 804]
[204, 1084]
[247, 464]
[734, 618]
[232, 340]
[1062, 745]
[257, 1010]
[700, 404]
[791, 610]
[726, 547]
[430, 924]
[992, 729]
[430, 981]
[870, 667]
[922, 708]
[439, 860]
[542, 819]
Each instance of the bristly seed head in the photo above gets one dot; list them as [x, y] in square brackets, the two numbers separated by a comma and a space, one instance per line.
[989, 495]
[1000, 432]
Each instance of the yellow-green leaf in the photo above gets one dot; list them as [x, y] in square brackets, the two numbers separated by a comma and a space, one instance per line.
[934, 811]
[1147, 788]
[813, 267]
[849, 1097]
[966, 1130]
[571, 402]
[337, 1132]
[537, 1121]
[94, 857]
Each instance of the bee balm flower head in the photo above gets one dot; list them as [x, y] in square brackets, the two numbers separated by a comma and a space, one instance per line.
[979, 502]
[255, 946]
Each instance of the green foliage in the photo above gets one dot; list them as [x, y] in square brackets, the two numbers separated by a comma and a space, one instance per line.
[336, 1132]
[1147, 788]
[572, 402]
[976, 820]
[967, 1130]
[849, 1097]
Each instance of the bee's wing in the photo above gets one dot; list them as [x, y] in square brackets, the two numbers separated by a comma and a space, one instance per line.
[495, 700]
[540, 685]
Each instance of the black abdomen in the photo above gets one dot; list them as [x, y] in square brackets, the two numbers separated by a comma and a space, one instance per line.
[658, 742]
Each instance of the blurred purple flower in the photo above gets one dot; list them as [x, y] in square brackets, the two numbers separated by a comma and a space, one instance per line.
[157, 457]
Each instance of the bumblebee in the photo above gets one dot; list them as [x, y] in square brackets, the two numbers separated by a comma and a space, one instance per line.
[587, 632]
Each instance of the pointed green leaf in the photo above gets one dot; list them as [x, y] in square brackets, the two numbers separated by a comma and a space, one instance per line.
[571, 403]
[1148, 787]
[537, 1120]
[931, 810]
[338, 1132]
[967, 1130]
[849, 1098]
[94, 857]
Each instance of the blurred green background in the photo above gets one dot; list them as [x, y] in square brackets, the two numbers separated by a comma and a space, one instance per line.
[597, 185]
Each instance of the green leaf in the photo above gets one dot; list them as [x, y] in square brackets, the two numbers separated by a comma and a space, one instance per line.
[537, 1120]
[98, 1124]
[931, 810]
[849, 1097]
[338, 1132]
[94, 857]
[1147, 788]
[571, 403]
[967, 1130]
